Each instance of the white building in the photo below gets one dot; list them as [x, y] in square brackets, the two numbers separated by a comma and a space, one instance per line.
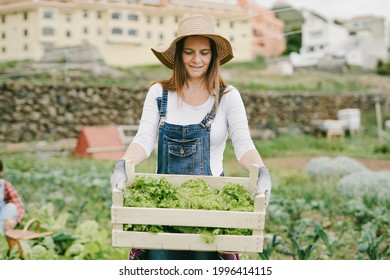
[123, 31]
[366, 51]
[320, 38]
[323, 40]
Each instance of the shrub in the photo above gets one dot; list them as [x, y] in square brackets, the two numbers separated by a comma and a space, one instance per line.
[383, 68]
[323, 167]
[369, 184]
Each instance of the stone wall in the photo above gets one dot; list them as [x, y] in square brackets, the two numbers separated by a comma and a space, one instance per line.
[32, 112]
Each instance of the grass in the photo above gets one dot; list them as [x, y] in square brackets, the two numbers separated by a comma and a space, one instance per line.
[246, 76]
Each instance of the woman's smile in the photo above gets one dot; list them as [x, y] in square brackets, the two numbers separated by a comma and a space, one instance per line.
[196, 56]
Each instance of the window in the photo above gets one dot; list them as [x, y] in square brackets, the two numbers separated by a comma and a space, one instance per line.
[161, 36]
[148, 35]
[133, 17]
[3, 49]
[25, 32]
[68, 17]
[47, 46]
[116, 16]
[149, 19]
[133, 32]
[68, 33]
[48, 15]
[25, 16]
[3, 35]
[231, 24]
[85, 13]
[48, 31]
[176, 19]
[116, 31]
[98, 31]
[98, 14]
[161, 20]
[3, 19]
[85, 30]
[25, 47]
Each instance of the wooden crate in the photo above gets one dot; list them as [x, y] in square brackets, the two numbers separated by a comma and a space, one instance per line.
[121, 215]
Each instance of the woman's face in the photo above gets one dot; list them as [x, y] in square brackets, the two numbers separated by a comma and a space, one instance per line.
[196, 56]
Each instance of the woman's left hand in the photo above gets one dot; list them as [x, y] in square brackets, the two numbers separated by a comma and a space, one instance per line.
[264, 185]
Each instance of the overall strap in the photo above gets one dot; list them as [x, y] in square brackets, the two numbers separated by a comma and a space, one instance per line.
[209, 118]
[162, 106]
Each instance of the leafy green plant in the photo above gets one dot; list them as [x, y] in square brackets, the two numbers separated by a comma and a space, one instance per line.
[372, 246]
[299, 252]
[270, 247]
[5, 252]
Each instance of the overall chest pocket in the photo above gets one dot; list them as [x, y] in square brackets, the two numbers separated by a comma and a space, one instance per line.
[184, 156]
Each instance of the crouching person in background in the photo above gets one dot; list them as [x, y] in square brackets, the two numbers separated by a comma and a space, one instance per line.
[11, 206]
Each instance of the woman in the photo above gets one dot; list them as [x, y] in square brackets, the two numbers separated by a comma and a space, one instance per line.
[192, 114]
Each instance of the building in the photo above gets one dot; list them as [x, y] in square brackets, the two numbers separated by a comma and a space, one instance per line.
[375, 27]
[328, 44]
[122, 31]
[267, 30]
[320, 38]
[372, 24]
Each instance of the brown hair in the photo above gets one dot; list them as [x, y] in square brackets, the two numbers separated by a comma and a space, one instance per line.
[214, 81]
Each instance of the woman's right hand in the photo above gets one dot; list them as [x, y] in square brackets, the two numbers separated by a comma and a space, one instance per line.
[119, 177]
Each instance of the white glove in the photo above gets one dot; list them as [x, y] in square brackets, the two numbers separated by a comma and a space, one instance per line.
[264, 185]
[119, 177]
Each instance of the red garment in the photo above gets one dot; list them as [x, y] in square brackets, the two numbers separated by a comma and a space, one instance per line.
[135, 254]
[11, 196]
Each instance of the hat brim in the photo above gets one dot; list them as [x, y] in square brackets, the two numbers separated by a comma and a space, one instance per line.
[166, 53]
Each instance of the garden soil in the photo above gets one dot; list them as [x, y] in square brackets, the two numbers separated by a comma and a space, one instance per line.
[66, 145]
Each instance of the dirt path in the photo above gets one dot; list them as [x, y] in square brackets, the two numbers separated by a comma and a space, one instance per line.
[300, 162]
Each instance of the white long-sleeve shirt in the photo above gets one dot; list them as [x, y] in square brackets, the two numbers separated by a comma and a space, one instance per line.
[230, 118]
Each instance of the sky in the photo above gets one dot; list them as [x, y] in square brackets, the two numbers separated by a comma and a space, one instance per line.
[338, 9]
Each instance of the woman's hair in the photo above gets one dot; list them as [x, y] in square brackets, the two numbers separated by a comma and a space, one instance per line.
[214, 81]
[1, 165]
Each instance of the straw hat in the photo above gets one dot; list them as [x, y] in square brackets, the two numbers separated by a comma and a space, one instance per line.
[194, 25]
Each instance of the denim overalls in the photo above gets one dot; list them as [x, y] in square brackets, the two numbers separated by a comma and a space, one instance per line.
[183, 150]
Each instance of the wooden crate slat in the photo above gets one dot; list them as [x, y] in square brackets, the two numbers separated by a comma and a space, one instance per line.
[182, 241]
[187, 217]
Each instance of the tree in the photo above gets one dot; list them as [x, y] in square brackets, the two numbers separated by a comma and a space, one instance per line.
[294, 41]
